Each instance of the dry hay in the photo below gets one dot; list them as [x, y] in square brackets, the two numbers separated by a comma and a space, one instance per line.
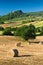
[29, 54]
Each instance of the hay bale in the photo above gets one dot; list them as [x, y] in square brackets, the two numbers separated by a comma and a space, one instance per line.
[15, 52]
[18, 44]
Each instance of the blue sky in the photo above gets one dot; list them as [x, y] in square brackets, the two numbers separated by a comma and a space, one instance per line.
[7, 6]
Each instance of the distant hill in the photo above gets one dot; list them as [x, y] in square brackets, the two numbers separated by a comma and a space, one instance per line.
[20, 15]
[40, 13]
[12, 15]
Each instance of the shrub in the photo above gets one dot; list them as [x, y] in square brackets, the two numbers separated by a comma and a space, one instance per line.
[13, 29]
[41, 33]
[32, 20]
[23, 22]
[1, 22]
[1, 28]
[26, 32]
[7, 31]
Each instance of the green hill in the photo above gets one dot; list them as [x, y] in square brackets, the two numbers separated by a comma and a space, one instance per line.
[21, 17]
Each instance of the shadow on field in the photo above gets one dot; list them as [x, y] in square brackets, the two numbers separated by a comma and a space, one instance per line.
[25, 55]
[16, 54]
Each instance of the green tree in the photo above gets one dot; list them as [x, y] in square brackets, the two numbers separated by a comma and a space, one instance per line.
[26, 32]
[30, 33]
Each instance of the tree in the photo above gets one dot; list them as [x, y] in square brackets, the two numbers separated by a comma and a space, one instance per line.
[30, 32]
[26, 32]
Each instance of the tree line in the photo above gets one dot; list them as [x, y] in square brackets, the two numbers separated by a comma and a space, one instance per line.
[26, 32]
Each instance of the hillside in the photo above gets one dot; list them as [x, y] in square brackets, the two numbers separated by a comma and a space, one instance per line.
[19, 15]
[19, 18]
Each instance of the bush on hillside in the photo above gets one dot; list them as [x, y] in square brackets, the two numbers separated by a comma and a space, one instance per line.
[31, 20]
[13, 29]
[1, 21]
[1, 28]
[23, 22]
[41, 33]
[7, 31]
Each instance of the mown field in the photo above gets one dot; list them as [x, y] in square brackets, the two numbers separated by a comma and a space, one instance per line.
[28, 54]
[33, 60]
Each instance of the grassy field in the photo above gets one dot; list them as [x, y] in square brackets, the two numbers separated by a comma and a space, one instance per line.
[32, 60]
[28, 54]
[18, 24]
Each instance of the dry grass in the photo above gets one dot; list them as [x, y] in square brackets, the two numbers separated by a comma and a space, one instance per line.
[18, 24]
[29, 54]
